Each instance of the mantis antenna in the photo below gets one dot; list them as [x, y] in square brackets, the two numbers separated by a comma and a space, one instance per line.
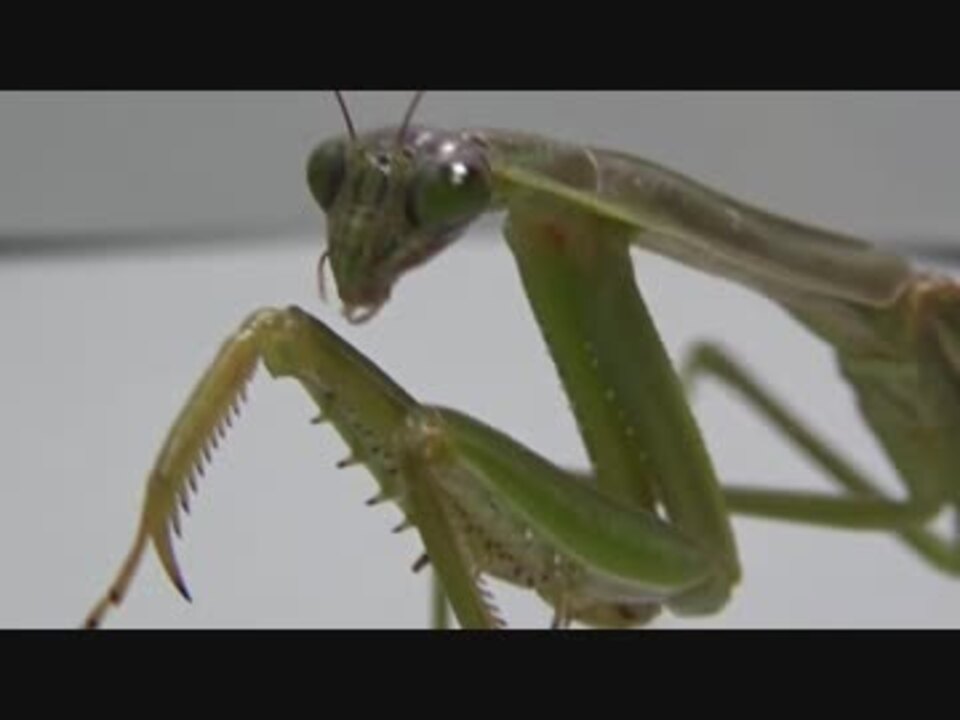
[346, 114]
[408, 117]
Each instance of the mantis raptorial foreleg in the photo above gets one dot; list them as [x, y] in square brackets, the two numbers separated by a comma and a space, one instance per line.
[483, 504]
[866, 508]
[288, 342]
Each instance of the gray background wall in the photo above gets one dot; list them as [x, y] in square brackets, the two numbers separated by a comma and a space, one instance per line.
[100, 353]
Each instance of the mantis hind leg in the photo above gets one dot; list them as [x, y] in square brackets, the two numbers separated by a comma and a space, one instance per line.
[865, 507]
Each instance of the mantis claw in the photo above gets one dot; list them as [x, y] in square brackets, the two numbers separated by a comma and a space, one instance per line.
[169, 562]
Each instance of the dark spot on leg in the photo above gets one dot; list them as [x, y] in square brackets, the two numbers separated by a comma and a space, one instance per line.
[554, 236]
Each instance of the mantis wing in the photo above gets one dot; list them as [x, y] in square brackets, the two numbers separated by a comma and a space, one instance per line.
[696, 225]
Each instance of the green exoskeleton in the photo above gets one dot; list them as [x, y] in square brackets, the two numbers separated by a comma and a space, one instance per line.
[647, 527]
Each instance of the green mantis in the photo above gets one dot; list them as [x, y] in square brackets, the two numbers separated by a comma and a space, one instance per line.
[650, 528]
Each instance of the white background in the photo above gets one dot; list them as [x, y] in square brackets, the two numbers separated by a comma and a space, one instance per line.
[99, 354]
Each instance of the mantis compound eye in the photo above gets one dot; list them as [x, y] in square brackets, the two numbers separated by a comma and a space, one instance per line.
[326, 170]
[448, 194]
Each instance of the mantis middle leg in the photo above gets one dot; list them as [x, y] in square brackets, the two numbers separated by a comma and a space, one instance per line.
[865, 507]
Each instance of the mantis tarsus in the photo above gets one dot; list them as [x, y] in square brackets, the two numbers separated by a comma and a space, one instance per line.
[858, 288]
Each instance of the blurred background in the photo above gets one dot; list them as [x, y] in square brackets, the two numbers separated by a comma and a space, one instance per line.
[103, 343]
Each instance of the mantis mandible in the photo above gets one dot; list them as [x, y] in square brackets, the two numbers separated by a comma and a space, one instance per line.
[649, 527]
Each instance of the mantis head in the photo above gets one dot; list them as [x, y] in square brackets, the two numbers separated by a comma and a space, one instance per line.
[393, 199]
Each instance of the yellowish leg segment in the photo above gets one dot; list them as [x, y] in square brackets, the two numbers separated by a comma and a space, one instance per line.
[289, 342]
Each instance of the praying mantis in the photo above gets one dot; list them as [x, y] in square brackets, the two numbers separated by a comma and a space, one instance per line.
[264, 391]
[485, 504]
